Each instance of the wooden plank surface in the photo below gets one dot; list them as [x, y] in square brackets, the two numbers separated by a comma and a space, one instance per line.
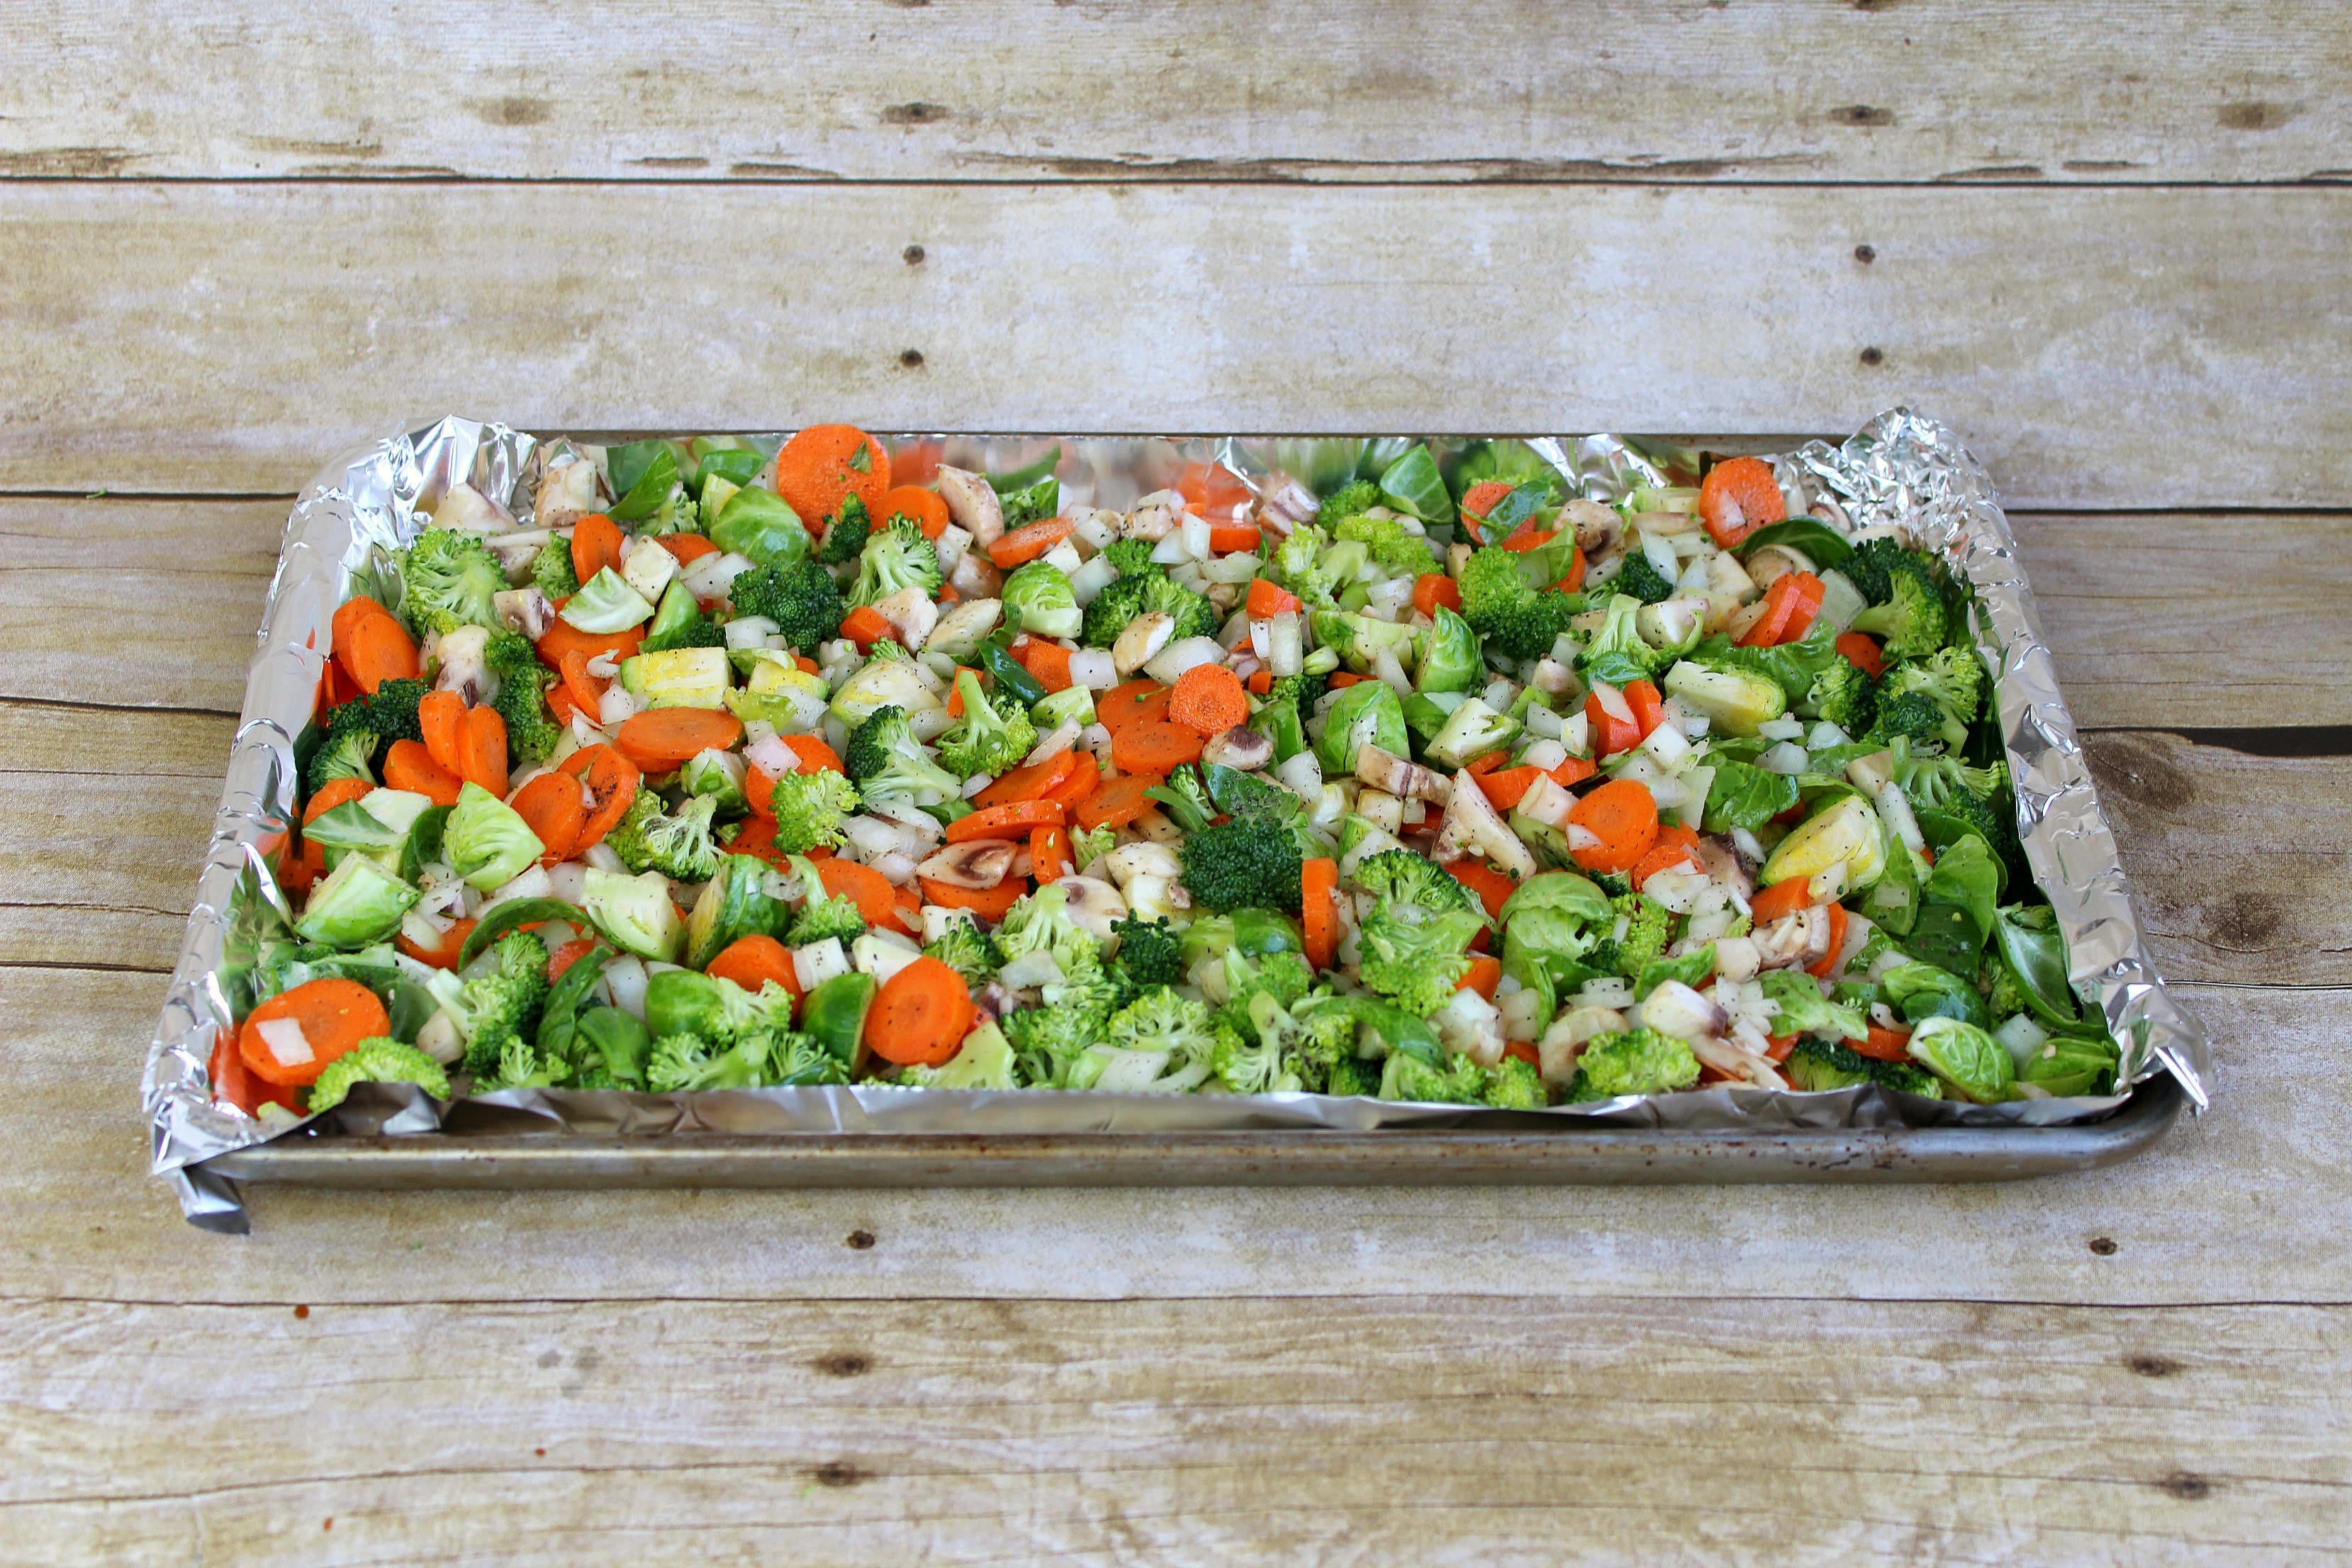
[1178, 1431]
[729, 89]
[207, 337]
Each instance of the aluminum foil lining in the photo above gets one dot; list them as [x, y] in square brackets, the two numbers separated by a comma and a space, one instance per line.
[1901, 468]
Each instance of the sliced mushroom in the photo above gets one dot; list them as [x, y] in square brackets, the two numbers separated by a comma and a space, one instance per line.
[1471, 827]
[1129, 861]
[1597, 527]
[1723, 863]
[1794, 941]
[518, 552]
[1725, 1057]
[1674, 1008]
[1290, 504]
[1141, 641]
[978, 864]
[972, 503]
[1384, 770]
[526, 610]
[1095, 905]
[463, 656]
[1240, 747]
[996, 1000]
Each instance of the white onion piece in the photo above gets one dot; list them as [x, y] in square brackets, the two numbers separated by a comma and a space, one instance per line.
[772, 757]
[750, 631]
[710, 577]
[1239, 567]
[1169, 664]
[1038, 968]
[1062, 737]
[568, 882]
[625, 978]
[1283, 650]
[1090, 580]
[1544, 754]
[531, 882]
[1788, 757]
[1094, 670]
[896, 868]
[974, 784]
[603, 857]
[1304, 775]
[1783, 729]
[1194, 532]
[604, 666]
[1613, 702]
[287, 1043]
[617, 707]
[1171, 549]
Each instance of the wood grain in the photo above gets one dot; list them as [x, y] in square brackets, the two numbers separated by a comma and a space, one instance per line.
[229, 337]
[1390, 1429]
[1938, 90]
[2245, 1205]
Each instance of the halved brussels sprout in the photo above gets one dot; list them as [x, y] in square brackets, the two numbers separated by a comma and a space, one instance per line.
[1367, 713]
[358, 903]
[1848, 833]
[1040, 597]
[1450, 660]
[634, 914]
[487, 841]
[884, 682]
[759, 524]
[606, 605]
[677, 677]
[734, 903]
[1965, 1057]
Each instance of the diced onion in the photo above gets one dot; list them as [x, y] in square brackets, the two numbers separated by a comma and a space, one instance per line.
[616, 707]
[1788, 757]
[1194, 532]
[1544, 754]
[772, 757]
[1094, 670]
[1059, 739]
[1169, 665]
[1039, 968]
[286, 1041]
[1283, 644]
[1783, 729]
[750, 631]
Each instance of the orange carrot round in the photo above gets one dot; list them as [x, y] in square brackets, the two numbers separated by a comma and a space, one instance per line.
[1131, 703]
[612, 781]
[335, 1016]
[1154, 746]
[757, 840]
[1737, 498]
[988, 904]
[1676, 846]
[409, 766]
[551, 804]
[1230, 539]
[1624, 817]
[586, 692]
[1780, 901]
[1049, 662]
[863, 885]
[1481, 499]
[596, 544]
[1026, 544]
[1267, 598]
[1491, 886]
[1031, 781]
[1208, 698]
[923, 507]
[920, 1016]
[350, 614]
[865, 627]
[1484, 974]
[1049, 854]
[661, 739]
[751, 962]
[562, 637]
[441, 715]
[1004, 821]
[688, 547]
[1116, 801]
[1083, 779]
[380, 649]
[824, 463]
[1318, 885]
[444, 955]
[1431, 589]
[482, 751]
[1862, 650]
[568, 954]
[1210, 486]
[815, 756]
[1881, 1044]
[330, 794]
[1527, 538]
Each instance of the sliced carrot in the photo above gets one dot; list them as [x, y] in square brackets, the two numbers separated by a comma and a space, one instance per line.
[1610, 733]
[444, 955]
[824, 464]
[688, 547]
[1227, 539]
[1573, 772]
[1319, 886]
[482, 751]
[815, 755]
[1575, 578]
[1431, 589]
[1491, 886]
[330, 794]
[441, 715]
[1268, 598]
[1049, 854]
[1525, 1050]
[1155, 746]
[1505, 787]
[1862, 650]
[1778, 900]
[1031, 781]
[863, 885]
[562, 637]
[925, 508]
[551, 806]
[1209, 485]
[566, 955]
[1789, 606]
[751, 962]
[1777, 1048]
[907, 909]
[335, 687]
[1026, 544]
[1082, 780]
[1622, 815]
[1481, 499]
[1828, 965]
[409, 766]
[1208, 698]
[380, 649]
[663, 739]
[1677, 846]
[920, 1016]
[1648, 708]
[865, 627]
[335, 1016]
[1881, 1044]
[596, 544]
[1487, 762]
[1005, 821]
[1483, 974]
[1049, 662]
[1135, 702]
[758, 838]
[1260, 682]
[988, 904]
[612, 782]
[350, 614]
[1342, 678]
[1528, 538]
[1737, 498]
[1118, 802]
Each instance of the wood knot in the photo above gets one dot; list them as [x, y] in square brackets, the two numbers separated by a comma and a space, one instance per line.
[912, 359]
[2186, 1485]
[837, 1473]
[913, 114]
[1860, 114]
[1873, 356]
[2253, 116]
[1865, 254]
[2102, 1247]
[2152, 1365]
[858, 1240]
[845, 1363]
[912, 256]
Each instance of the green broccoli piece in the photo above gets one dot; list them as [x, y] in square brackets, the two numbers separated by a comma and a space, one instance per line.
[1322, 1048]
[1843, 694]
[388, 715]
[1516, 1085]
[676, 843]
[1048, 1041]
[1402, 877]
[1913, 622]
[1148, 952]
[1286, 977]
[1650, 927]
[1185, 798]
[1301, 691]
[847, 536]
[802, 598]
[2006, 997]
[887, 762]
[1399, 551]
[1638, 1062]
[992, 737]
[1091, 844]
[1347, 501]
[1146, 591]
[809, 808]
[1817, 1065]
[1875, 563]
[550, 570]
[1253, 1056]
[1417, 964]
[1251, 863]
[969, 951]
[377, 1060]
[687, 1061]
[1520, 619]
[1129, 556]
[1619, 654]
[1298, 564]
[345, 757]
[1406, 1077]
[532, 732]
[450, 580]
[893, 558]
[1161, 1020]
[499, 1009]
[1353, 1075]
[826, 917]
[798, 1059]
[1953, 677]
[1642, 579]
[1912, 716]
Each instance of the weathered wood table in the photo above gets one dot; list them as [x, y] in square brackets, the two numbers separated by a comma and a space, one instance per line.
[2103, 241]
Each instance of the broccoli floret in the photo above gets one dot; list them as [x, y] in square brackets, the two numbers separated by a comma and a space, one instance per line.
[1091, 844]
[500, 1008]
[1148, 952]
[1406, 1077]
[550, 570]
[1041, 922]
[1913, 622]
[969, 951]
[1301, 691]
[1875, 563]
[677, 844]
[2006, 997]
[1048, 1041]
[888, 762]
[1285, 977]
[1953, 677]
[1520, 620]
[846, 537]
[895, 557]
[1516, 1085]
[1817, 1065]
[1185, 798]
[1129, 556]
[687, 1061]
[1638, 1062]
[1642, 579]
[1143, 593]
[700, 631]
[1296, 563]
[1253, 1056]
[1319, 1048]
[1619, 654]
[1417, 964]
[342, 758]
[826, 917]
[802, 598]
[532, 732]
[1399, 551]
[387, 715]
[451, 579]
[992, 737]
[1350, 1074]
[1913, 716]
[1939, 782]
[1843, 694]
[1400, 876]
[1350, 499]
[798, 1059]
[1253, 863]
[1651, 926]
[1161, 1020]
[809, 809]
[377, 1060]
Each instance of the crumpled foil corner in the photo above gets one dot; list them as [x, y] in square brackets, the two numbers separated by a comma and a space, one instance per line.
[1901, 468]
